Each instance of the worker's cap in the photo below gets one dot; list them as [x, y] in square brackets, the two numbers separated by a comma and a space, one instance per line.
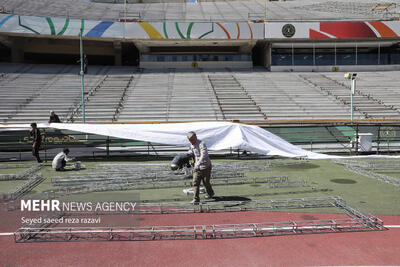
[51, 111]
[190, 134]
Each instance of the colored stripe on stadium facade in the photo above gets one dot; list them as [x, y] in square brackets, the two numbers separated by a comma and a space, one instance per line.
[200, 30]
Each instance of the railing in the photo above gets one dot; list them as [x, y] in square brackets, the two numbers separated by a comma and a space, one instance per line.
[129, 16]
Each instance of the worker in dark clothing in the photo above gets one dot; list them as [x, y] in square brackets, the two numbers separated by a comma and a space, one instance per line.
[37, 141]
[54, 117]
[85, 64]
[180, 161]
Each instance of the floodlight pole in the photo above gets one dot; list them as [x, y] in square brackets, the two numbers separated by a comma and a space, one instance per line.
[265, 11]
[82, 75]
[353, 88]
[125, 9]
[265, 19]
[124, 17]
[352, 78]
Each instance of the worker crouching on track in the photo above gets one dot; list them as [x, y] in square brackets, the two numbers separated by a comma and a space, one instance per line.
[202, 167]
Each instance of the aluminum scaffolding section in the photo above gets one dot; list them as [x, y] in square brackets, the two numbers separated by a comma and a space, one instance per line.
[234, 206]
[20, 175]
[378, 165]
[157, 167]
[151, 173]
[225, 206]
[377, 176]
[368, 169]
[158, 172]
[24, 188]
[145, 185]
[285, 162]
[93, 178]
[358, 221]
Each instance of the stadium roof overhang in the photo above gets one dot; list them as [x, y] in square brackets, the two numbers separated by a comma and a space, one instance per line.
[45, 43]
[307, 43]
[144, 46]
[242, 46]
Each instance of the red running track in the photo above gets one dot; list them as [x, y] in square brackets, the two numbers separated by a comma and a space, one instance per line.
[358, 248]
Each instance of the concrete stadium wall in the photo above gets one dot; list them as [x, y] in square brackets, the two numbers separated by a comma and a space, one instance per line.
[336, 68]
[199, 64]
[113, 33]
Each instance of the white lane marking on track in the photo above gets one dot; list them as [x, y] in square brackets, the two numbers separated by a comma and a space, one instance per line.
[392, 226]
[1, 234]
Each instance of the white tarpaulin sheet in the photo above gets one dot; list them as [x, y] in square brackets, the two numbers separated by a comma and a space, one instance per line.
[216, 135]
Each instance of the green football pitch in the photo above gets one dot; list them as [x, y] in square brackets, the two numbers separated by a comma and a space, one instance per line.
[312, 178]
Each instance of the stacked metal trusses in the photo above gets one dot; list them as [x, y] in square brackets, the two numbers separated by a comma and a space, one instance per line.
[377, 176]
[162, 170]
[21, 175]
[286, 162]
[119, 185]
[153, 172]
[357, 221]
[223, 206]
[233, 206]
[15, 204]
[24, 188]
[384, 165]
[115, 177]
[368, 169]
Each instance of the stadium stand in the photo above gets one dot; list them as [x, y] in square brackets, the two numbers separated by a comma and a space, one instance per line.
[169, 96]
[104, 101]
[153, 10]
[373, 103]
[29, 94]
[125, 94]
[148, 99]
[378, 87]
[284, 96]
[233, 99]
[232, 38]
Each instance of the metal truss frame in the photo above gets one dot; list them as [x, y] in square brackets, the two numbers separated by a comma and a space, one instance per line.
[357, 221]
[84, 180]
[385, 165]
[377, 176]
[21, 175]
[285, 162]
[227, 206]
[24, 188]
[16, 165]
[273, 181]
[367, 169]
[159, 172]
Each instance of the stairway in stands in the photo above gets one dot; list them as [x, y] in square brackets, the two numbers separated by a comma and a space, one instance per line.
[234, 101]
[104, 102]
[370, 107]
